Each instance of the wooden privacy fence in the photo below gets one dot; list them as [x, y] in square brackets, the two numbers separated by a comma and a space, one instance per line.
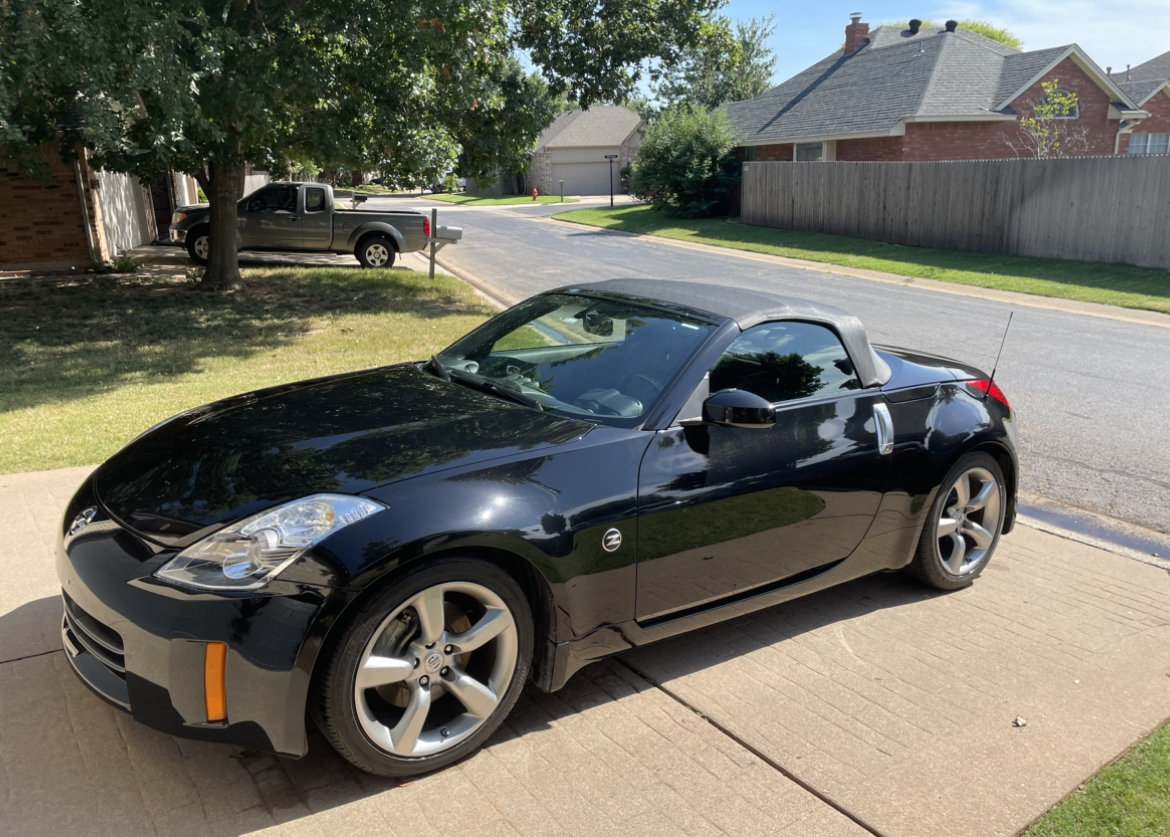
[1099, 209]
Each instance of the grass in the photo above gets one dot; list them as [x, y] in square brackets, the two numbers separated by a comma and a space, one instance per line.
[1110, 284]
[1130, 798]
[475, 200]
[87, 363]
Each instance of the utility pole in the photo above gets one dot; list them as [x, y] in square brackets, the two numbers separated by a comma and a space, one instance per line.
[611, 158]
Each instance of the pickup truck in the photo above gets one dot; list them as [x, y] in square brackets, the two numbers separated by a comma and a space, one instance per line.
[304, 217]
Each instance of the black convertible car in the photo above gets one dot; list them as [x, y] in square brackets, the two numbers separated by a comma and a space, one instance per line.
[395, 552]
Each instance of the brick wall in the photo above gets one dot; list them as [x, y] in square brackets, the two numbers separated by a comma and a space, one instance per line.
[872, 150]
[41, 226]
[774, 153]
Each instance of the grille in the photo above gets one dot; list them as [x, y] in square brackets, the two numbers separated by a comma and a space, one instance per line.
[102, 642]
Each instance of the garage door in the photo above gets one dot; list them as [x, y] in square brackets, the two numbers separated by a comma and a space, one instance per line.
[583, 178]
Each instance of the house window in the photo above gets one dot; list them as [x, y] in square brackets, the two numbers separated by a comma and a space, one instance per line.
[749, 154]
[809, 152]
[1149, 144]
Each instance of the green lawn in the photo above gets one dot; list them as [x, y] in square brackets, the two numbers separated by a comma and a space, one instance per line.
[1130, 798]
[475, 200]
[1111, 284]
[86, 363]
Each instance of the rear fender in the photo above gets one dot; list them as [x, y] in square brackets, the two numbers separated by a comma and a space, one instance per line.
[377, 228]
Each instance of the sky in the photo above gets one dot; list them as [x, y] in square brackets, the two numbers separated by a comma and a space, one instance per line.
[1112, 33]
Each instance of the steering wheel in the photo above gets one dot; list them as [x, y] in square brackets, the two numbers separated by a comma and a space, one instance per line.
[634, 377]
[256, 204]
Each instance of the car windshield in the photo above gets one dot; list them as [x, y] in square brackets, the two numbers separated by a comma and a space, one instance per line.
[586, 357]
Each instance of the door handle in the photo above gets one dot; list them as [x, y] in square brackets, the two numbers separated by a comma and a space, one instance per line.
[884, 425]
[293, 218]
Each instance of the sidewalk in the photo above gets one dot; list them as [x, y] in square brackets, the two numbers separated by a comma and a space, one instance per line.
[894, 703]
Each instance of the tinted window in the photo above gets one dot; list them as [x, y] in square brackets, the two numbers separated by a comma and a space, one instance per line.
[273, 198]
[785, 361]
[314, 200]
[586, 357]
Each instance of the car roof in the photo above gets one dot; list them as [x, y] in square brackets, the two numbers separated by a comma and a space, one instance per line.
[747, 308]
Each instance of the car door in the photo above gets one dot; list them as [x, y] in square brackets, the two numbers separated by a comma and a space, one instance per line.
[723, 511]
[316, 219]
[270, 218]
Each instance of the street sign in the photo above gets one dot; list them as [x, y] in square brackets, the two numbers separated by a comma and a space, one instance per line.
[611, 156]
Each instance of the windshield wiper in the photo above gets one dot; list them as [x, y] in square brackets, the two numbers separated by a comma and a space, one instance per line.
[496, 389]
[437, 369]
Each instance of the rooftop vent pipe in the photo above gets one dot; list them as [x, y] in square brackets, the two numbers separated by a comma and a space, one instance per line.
[952, 25]
[915, 25]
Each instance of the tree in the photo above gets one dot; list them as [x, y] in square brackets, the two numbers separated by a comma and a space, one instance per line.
[725, 67]
[687, 162]
[1048, 125]
[208, 86]
[979, 27]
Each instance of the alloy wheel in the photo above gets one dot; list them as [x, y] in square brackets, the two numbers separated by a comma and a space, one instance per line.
[969, 521]
[436, 669]
[377, 255]
[203, 246]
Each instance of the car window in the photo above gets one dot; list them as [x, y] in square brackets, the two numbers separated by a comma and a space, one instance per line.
[314, 200]
[784, 361]
[582, 356]
[281, 198]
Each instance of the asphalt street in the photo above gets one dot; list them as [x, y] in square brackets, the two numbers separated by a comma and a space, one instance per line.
[1092, 394]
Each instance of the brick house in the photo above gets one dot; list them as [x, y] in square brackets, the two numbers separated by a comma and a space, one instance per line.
[1148, 85]
[929, 94]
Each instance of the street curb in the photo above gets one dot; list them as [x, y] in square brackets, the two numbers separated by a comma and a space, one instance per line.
[500, 298]
[1063, 306]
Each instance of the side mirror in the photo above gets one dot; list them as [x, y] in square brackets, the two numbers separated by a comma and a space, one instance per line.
[738, 408]
[598, 325]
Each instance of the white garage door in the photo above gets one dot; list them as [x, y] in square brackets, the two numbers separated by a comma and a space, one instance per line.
[583, 178]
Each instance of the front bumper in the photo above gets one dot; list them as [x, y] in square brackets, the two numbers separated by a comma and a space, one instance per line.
[141, 645]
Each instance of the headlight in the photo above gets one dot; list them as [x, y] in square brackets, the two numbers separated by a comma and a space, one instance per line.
[177, 217]
[250, 553]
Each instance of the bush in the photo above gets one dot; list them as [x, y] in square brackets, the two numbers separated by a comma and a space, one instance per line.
[687, 163]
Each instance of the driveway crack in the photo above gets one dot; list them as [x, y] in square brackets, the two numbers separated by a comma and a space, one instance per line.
[787, 774]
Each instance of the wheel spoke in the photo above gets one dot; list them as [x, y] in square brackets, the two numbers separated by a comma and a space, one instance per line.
[405, 734]
[978, 534]
[382, 671]
[980, 500]
[958, 553]
[494, 622]
[429, 607]
[962, 491]
[478, 698]
[947, 526]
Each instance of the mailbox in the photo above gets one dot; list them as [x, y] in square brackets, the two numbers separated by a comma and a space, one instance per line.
[445, 234]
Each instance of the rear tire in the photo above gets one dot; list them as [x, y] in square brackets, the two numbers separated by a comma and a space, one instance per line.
[199, 245]
[964, 525]
[375, 252]
[412, 684]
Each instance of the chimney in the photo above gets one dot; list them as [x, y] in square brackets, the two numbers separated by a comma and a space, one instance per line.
[915, 25]
[856, 34]
[952, 25]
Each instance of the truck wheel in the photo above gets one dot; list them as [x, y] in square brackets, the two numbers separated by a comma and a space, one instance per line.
[375, 251]
[199, 245]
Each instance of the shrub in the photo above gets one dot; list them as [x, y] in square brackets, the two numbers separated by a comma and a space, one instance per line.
[687, 163]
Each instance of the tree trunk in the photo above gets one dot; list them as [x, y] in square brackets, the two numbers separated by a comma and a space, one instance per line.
[225, 186]
[359, 178]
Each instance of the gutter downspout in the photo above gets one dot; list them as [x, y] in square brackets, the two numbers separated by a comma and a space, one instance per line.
[85, 214]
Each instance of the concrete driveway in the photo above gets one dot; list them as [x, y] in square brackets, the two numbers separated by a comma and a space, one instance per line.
[876, 708]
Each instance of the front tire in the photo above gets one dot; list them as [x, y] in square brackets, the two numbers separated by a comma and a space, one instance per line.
[427, 669]
[964, 525]
[375, 252]
[199, 245]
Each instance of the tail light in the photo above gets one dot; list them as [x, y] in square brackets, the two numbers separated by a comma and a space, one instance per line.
[427, 227]
[991, 388]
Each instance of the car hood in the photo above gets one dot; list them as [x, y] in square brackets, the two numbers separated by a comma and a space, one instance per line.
[345, 434]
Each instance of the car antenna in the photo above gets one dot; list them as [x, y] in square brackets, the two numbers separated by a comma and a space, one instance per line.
[994, 369]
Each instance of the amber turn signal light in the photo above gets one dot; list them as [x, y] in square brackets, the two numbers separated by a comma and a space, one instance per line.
[214, 675]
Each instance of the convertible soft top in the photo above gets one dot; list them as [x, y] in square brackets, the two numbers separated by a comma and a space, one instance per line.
[748, 308]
